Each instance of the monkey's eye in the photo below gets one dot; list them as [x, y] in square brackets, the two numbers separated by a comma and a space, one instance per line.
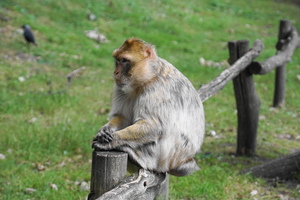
[121, 61]
[124, 60]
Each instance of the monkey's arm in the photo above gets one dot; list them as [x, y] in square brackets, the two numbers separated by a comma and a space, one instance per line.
[135, 135]
[117, 122]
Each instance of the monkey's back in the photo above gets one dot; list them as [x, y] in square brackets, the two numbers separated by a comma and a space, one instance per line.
[179, 121]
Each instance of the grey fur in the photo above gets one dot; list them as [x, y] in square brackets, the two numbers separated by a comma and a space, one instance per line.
[171, 112]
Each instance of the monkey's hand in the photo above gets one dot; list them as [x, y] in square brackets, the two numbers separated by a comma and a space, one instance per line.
[104, 135]
[103, 138]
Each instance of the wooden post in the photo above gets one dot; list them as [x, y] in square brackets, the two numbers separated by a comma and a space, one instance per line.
[108, 180]
[247, 102]
[285, 29]
[163, 193]
[108, 170]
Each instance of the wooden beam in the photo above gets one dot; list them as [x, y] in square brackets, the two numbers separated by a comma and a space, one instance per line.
[283, 167]
[207, 90]
[144, 185]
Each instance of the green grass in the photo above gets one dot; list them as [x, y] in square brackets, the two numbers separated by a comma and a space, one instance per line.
[55, 130]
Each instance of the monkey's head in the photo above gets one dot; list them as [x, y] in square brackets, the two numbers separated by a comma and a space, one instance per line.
[132, 62]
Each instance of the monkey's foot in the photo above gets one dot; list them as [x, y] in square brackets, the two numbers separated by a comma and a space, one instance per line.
[99, 146]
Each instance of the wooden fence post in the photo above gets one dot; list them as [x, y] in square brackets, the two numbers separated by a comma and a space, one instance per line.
[247, 102]
[108, 170]
[163, 193]
[285, 29]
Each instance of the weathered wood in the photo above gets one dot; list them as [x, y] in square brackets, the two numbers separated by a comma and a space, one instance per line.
[163, 193]
[285, 50]
[207, 90]
[247, 102]
[144, 185]
[108, 170]
[283, 167]
[288, 41]
[72, 74]
[285, 30]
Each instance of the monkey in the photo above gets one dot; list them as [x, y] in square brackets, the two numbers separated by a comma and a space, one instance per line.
[28, 35]
[157, 117]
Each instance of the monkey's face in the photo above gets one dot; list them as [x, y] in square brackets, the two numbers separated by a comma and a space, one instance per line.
[121, 73]
[131, 64]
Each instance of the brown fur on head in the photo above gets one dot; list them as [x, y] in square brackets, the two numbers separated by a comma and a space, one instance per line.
[136, 50]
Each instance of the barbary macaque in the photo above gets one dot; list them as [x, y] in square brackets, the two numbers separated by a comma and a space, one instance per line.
[157, 116]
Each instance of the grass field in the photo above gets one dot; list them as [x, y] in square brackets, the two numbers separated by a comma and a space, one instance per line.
[46, 131]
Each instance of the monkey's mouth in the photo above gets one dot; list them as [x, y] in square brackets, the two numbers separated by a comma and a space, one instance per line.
[119, 83]
[122, 82]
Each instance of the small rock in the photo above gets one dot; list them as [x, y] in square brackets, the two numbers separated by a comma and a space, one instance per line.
[202, 61]
[213, 133]
[53, 186]
[32, 120]
[2, 157]
[253, 192]
[92, 17]
[21, 79]
[40, 167]
[30, 190]
[93, 34]
[84, 186]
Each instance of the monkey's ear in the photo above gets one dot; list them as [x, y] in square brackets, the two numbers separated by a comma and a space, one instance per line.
[150, 52]
[114, 53]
